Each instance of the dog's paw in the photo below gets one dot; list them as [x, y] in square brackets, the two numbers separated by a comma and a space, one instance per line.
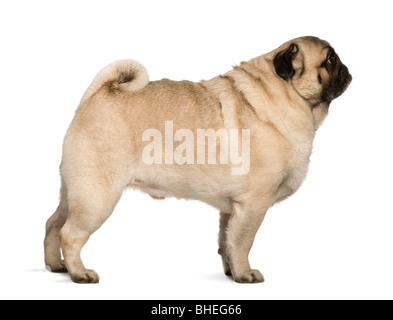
[87, 276]
[249, 276]
[58, 267]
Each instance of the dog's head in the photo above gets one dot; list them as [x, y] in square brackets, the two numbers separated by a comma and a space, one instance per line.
[313, 68]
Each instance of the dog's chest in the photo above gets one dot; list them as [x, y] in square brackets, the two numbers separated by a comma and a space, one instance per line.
[295, 174]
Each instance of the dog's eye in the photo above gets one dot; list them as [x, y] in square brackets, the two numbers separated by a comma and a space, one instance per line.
[331, 60]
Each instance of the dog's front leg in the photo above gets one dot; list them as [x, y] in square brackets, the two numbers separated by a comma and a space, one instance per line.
[241, 229]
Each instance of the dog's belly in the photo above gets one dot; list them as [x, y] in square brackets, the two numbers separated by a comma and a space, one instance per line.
[153, 191]
[219, 201]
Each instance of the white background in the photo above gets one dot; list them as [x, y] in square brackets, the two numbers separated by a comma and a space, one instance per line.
[331, 240]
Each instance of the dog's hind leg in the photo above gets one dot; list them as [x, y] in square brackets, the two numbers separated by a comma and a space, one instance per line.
[89, 207]
[222, 242]
[53, 259]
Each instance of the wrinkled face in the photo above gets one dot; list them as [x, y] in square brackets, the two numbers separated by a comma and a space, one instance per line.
[313, 68]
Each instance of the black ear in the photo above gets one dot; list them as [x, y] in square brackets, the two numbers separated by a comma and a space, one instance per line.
[283, 61]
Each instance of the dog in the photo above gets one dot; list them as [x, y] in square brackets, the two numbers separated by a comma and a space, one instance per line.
[129, 132]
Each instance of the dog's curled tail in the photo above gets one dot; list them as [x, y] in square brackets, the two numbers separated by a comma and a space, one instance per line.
[123, 75]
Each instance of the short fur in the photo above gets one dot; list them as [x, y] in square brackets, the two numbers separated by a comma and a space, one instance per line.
[282, 97]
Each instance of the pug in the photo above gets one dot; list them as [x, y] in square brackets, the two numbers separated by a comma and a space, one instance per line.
[240, 142]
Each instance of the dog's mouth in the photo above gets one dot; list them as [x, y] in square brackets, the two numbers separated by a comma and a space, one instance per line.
[348, 82]
[344, 80]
